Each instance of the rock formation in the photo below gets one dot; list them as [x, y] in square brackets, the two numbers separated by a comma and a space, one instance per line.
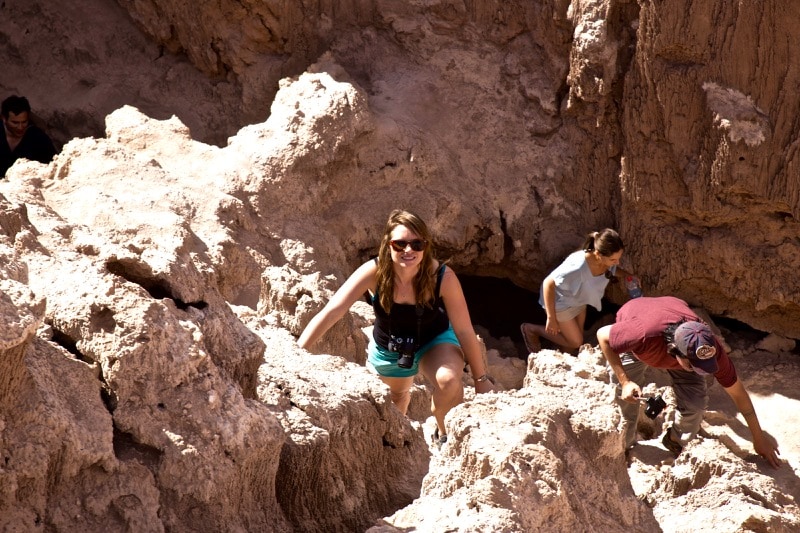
[710, 172]
[155, 275]
[523, 462]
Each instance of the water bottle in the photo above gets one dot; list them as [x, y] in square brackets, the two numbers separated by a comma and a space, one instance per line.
[632, 284]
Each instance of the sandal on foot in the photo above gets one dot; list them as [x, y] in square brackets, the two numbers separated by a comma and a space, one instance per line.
[531, 338]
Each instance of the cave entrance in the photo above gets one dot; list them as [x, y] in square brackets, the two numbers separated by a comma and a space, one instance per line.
[500, 306]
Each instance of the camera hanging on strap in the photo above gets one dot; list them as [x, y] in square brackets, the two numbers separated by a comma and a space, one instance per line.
[404, 346]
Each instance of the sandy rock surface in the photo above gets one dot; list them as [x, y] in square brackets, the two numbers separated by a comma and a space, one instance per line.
[522, 462]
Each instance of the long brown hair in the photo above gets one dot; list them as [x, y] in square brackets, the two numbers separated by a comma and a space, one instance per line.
[425, 280]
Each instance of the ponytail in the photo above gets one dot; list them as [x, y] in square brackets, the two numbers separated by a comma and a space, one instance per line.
[589, 243]
[606, 242]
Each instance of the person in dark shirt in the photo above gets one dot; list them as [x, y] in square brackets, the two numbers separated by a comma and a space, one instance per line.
[665, 333]
[22, 139]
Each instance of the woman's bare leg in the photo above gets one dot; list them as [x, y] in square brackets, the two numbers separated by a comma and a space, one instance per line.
[443, 366]
[570, 336]
[399, 391]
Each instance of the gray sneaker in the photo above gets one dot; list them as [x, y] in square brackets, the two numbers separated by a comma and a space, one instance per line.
[671, 445]
[439, 440]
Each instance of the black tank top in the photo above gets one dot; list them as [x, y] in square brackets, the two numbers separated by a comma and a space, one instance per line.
[402, 322]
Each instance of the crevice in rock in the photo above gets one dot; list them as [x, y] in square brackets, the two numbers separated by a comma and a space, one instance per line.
[388, 444]
[126, 448]
[783, 216]
[287, 393]
[68, 343]
[743, 330]
[154, 287]
[508, 242]
[500, 306]
[107, 394]
[102, 320]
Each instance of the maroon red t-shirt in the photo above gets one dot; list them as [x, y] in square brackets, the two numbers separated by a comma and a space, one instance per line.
[640, 326]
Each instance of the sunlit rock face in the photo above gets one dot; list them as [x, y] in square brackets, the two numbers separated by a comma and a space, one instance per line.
[527, 125]
[155, 275]
[710, 179]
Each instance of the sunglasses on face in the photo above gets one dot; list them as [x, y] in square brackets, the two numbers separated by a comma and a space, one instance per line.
[400, 245]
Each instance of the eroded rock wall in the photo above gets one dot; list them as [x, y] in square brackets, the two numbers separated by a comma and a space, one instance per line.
[528, 124]
[142, 288]
[471, 97]
[710, 180]
[80, 61]
[163, 387]
[135, 411]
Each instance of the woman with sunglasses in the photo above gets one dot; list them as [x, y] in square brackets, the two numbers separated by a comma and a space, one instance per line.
[421, 319]
[579, 281]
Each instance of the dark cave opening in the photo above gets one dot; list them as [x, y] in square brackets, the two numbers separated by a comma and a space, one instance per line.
[501, 307]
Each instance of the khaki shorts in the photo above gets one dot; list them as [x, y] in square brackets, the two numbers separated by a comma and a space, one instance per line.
[569, 313]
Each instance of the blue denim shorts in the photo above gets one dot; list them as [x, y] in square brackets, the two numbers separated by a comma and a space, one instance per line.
[384, 362]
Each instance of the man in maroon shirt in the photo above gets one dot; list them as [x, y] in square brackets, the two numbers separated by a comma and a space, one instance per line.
[665, 333]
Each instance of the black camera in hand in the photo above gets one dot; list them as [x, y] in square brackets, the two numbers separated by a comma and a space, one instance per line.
[653, 406]
[406, 348]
